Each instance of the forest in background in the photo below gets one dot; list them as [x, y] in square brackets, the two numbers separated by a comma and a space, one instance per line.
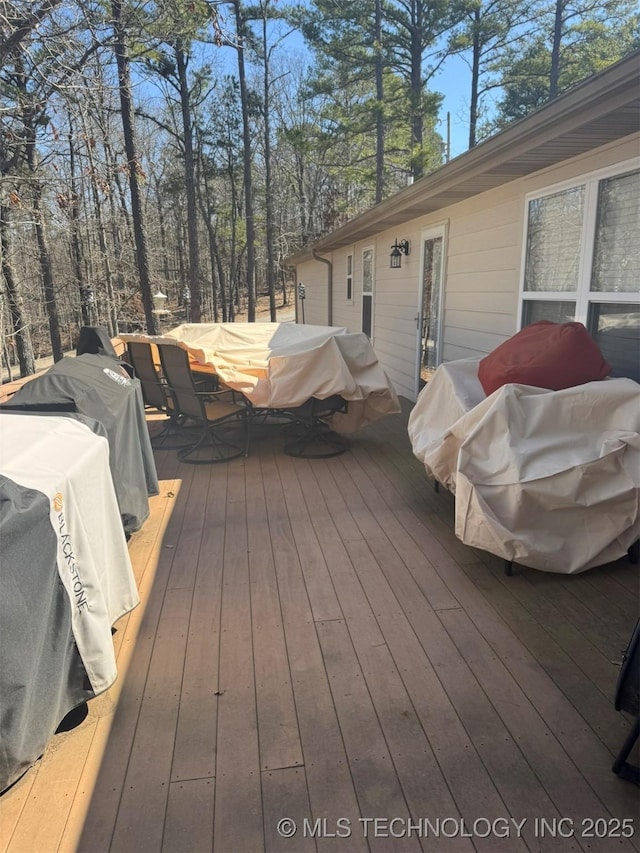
[188, 147]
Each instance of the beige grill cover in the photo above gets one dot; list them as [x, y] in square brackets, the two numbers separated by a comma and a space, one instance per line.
[281, 365]
[549, 479]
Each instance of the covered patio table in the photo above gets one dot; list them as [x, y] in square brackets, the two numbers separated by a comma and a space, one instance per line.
[282, 365]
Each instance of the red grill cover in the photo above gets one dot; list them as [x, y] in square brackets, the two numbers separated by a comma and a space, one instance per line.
[546, 355]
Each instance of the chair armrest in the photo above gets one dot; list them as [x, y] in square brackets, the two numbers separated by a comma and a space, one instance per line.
[214, 395]
[206, 381]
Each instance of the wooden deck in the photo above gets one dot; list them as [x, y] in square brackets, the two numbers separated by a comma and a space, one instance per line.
[313, 643]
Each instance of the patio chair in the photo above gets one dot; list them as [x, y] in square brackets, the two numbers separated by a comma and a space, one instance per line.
[224, 422]
[140, 357]
[627, 699]
[310, 436]
[154, 391]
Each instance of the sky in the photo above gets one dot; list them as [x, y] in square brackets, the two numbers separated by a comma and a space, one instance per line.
[454, 82]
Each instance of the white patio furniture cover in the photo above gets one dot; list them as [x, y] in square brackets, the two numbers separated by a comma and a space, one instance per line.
[281, 365]
[548, 479]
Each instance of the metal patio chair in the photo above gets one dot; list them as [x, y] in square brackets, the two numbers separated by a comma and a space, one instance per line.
[627, 698]
[154, 392]
[223, 421]
[309, 436]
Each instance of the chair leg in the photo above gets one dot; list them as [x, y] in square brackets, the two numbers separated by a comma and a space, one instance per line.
[220, 448]
[313, 439]
[620, 766]
[246, 422]
[172, 428]
[634, 552]
[508, 568]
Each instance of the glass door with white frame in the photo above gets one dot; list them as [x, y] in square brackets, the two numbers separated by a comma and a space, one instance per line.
[430, 304]
[367, 292]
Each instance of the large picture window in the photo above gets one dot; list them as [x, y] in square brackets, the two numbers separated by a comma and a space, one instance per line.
[582, 262]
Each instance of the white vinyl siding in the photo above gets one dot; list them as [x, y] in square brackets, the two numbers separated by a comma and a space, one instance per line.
[316, 304]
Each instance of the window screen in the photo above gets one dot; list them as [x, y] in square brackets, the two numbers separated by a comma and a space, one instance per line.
[553, 241]
[616, 261]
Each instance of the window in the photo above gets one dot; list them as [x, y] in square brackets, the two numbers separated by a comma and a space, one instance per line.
[349, 278]
[582, 262]
[367, 291]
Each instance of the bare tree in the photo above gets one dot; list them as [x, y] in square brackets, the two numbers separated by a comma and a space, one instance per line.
[16, 23]
[241, 36]
[19, 325]
[133, 163]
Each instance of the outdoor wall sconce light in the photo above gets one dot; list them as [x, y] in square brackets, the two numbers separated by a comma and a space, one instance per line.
[397, 251]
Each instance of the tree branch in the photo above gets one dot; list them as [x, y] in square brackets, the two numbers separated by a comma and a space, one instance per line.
[21, 28]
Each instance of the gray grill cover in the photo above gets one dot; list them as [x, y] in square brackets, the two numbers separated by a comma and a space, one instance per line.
[99, 388]
[42, 676]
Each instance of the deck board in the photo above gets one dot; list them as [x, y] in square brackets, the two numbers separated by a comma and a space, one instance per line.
[194, 755]
[238, 802]
[374, 775]
[314, 643]
[189, 816]
[279, 738]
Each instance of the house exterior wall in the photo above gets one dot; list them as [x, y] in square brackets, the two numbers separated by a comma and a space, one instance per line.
[483, 262]
[314, 276]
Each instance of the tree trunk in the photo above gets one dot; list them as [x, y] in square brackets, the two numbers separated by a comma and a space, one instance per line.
[416, 93]
[126, 109]
[102, 241]
[115, 176]
[271, 267]
[555, 51]
[116, 236]
[189, 183]
[44, 255]
[302, 199]
[248, 183]
[207, 205]
[76, 254]
[163, 231]
[24, 347]
[475, 77]
[379, 104]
